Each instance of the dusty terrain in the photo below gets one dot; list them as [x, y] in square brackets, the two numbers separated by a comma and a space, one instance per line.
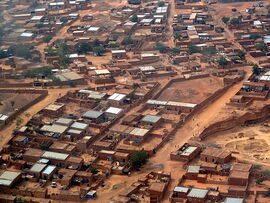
[6, 101]
[192, 91]
[250, 143]
[5, 134]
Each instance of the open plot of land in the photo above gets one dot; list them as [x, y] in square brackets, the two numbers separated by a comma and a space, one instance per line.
[191, 91]
[249, 143]
[11, 101]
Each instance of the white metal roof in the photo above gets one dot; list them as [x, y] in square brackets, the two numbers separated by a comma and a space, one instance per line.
[117, 97]
[118, 51]
[36, 18]
[49, 169]
[55, 155]
[26, 34]
[37, 167]
[114, 110]
[197, 193]
[139, 132]
[54, 128]
[188, 151]
[181, 189]
[147, 68]
[102, 71]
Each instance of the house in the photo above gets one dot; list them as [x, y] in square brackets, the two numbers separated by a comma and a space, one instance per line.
[233, 200]
[119, 54]
[197, 195]
[64, 121]
[179, 192]
[94, 116]
[138, 135]
[185, 153]
[48, 172]
[9, 178]
[26, 36]
[36, 169]
[117, 99]
[151, 120]
[54, 110]
[113, 112]
[192, 172]
[215, 155]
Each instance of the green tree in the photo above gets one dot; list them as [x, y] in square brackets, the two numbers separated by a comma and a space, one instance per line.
[234, 21]
[161, 3]
[20, 50]
[3, 54]
[19, 200]
[51, 51]
[114, 36]
[225, 19]
[138, 159]
[175, 50]
[222, 61]
[56, 80]
[134, 18]
[12, 103]
[177, 36]
[47, 39]
[255, 36]
[72, 83]
[99, 50]
[257, 167]
[241, 54]
[256, 69]
[84, 47]
[161, 47]
[113, 45]
[63, 52]
[127, 41]
[45, 71]
[94, 171]
[19, 121]
[192, 48]
[209, 51]
[261, 47]
[259, 180]
[43, 147]
[64, 19]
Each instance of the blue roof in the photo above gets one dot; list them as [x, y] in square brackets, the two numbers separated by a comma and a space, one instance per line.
[49, 170]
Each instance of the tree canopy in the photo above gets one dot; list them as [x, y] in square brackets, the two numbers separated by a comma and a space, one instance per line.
[225, 19]
[192, 48]
[222, 61]
[138, 159]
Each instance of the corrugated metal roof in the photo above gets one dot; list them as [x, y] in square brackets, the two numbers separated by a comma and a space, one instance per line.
[234, 200]
[139, 132]
[181, 189]
[193, 169]
[92, 114]
[117, 97]
[37, 167]
[54, 128]
[78, 125]
[197, 193]
[55, 155]
[49, 169]
[114, 110]
[151, 118]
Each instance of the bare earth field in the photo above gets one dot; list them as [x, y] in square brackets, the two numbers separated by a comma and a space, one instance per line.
[250, 143]
[20, 100]
[192, 91]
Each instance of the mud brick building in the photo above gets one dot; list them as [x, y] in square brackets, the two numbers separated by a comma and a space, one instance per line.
[215, 155]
